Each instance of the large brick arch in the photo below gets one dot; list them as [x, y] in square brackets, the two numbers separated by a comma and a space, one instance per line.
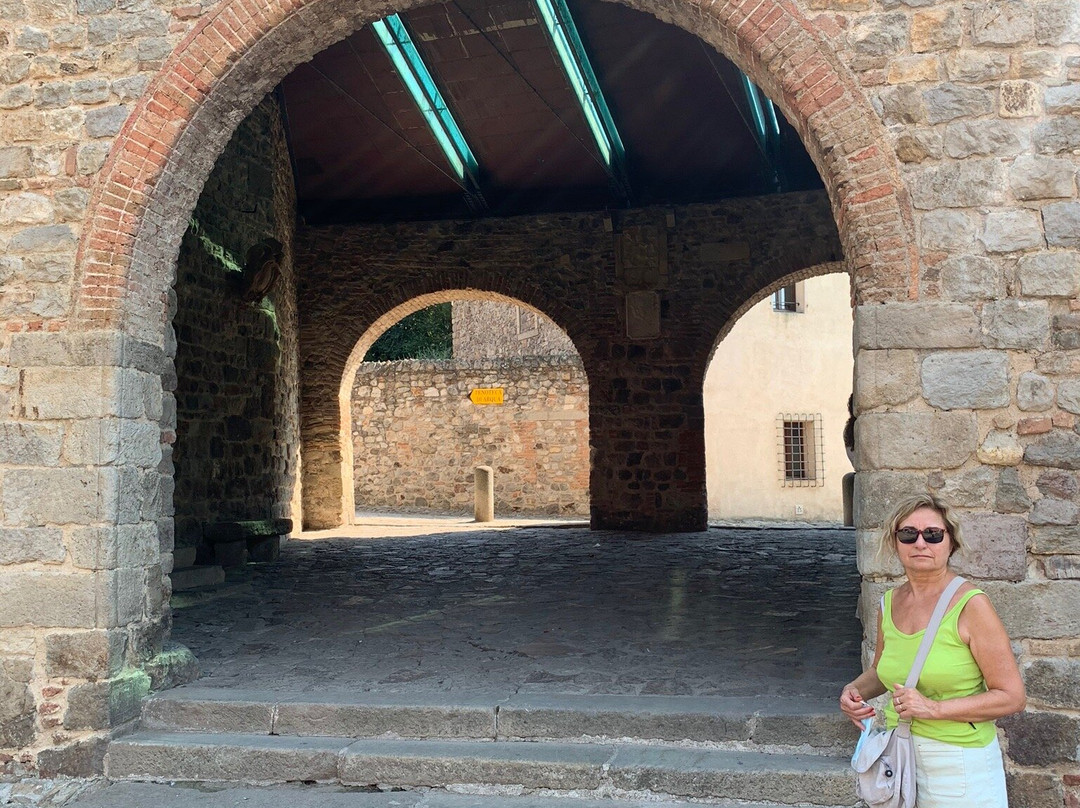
[328, 439]
[236, 54]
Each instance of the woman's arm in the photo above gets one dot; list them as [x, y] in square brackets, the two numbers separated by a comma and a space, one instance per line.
[982, 629]
[866, 686]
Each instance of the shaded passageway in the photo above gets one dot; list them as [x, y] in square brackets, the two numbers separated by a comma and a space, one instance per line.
[535, 609]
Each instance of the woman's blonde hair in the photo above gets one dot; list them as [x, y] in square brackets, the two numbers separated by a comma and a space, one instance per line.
[905, 508]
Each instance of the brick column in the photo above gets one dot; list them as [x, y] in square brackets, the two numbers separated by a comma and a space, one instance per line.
[647, 432]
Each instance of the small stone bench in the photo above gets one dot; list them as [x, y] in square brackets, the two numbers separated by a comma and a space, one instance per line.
[236, 543]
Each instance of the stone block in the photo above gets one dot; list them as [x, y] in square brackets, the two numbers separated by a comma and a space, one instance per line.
[15, 162]
[1012, 231]
[23, 545]
[1050, 511]
[106, 121]
[125, 695]
[1019, 98]
[966, 379]
[875, 37]
[1011, 496]
[1000, 448]
[1068, 397]
[971, 488]
[1054, 274]
[66, 392]
[89, 655]
[265, 549]
[935, 29]
[872, 559]
[878, 492]
[915, 440]
[1041, 738]
[1057, 135]
[969, 183]
[950, 230]
[1051, 538]
[85, 758]
[113, 441]
[1062, 223]
[982, 138]
[947, 102]
[1034, 789]
[1058, 483]
[1053, 682]
[1003, 22]
[1035, 177]
[971, 277]
[59, 496]
[43, 238]
[231, 554]
[196, 710]
[1017, 324]
[996, 547]
[1057, 22]
[1059, 568]
[976, 66]
[49, 599]
[1059, 449]
[1037, 609]
[1035, 392]
[175, 665]
[17, 712]
[88, 706]
[884, 378]
[905, 325]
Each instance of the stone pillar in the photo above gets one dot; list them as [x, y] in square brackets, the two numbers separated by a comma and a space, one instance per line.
[647, 432]
[484, 508]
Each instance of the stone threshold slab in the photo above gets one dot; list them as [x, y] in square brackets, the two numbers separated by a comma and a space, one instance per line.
[296, 795]
[773, 721]
[664, 770]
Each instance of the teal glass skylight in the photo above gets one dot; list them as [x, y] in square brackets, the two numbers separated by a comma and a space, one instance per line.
[417, 78]
[766, 124]
[571, 51]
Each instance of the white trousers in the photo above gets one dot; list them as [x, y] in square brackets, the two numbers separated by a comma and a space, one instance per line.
[948, 776]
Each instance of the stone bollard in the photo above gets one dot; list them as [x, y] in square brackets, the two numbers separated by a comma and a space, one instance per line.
[485, 494]
[848, 483]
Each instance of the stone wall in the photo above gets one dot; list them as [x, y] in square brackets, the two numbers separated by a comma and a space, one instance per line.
[417, 437]
[484, 329]
[237, 433]
[947, 136]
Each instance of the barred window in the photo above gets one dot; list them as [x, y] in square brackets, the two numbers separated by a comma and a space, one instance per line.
[801, 451]
[789, 298]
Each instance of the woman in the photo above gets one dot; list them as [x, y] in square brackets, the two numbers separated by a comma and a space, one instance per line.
[970, 677]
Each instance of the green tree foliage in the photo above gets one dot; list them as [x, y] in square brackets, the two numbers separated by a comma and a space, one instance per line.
[426, 334]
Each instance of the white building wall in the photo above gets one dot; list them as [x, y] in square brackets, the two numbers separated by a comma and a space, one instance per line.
[771, 363]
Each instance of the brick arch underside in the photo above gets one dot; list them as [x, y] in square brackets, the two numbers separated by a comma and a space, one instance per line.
[237, 53]
[337, 343]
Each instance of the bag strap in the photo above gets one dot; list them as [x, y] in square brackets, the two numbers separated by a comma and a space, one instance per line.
[931, 631]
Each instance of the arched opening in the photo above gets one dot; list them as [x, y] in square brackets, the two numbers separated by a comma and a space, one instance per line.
[776, 395]
[639, 327]
[511, 395]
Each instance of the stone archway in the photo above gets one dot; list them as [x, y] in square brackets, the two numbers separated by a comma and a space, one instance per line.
[328, 447]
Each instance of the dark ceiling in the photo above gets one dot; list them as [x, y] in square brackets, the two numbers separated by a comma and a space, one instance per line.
[362, 150]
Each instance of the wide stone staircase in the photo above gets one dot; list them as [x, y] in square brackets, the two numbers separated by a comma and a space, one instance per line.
[759, 751]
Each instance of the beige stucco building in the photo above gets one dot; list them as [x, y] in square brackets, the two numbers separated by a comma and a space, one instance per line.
[775, 407]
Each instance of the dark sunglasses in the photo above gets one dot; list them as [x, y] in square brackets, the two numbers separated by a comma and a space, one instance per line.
[910, 535]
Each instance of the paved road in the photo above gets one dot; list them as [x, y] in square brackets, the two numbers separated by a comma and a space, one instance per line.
[535, 609]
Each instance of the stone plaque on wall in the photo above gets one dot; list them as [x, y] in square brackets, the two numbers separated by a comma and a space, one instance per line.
[641, 256]
[642, 315]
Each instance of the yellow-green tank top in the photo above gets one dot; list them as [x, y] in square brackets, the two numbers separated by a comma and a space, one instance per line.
[950, 672]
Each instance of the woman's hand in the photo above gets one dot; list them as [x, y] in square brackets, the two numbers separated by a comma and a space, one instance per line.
[853, 706]
[909, 703]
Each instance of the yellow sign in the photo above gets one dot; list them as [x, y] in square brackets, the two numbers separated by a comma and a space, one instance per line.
[490, 395]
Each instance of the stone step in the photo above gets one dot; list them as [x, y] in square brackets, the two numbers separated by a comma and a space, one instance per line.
[585, 769]
[187, 578]
[298, 795]
[773, 722]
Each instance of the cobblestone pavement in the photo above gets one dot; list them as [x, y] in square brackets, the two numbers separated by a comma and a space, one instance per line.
[535, 609]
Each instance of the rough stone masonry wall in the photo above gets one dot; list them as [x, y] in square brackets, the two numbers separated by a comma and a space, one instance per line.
[417, 437]
[947, 134]
[485, 329]
[237, 431]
